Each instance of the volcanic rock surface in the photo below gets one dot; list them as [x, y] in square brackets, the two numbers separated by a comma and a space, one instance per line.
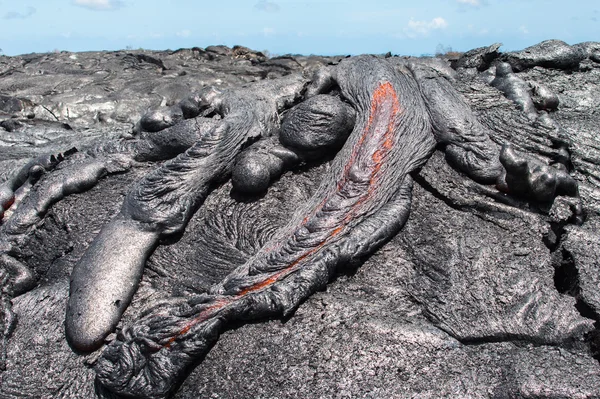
[483, 294]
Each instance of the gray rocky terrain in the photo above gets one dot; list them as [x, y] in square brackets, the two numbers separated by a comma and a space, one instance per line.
[490, 290]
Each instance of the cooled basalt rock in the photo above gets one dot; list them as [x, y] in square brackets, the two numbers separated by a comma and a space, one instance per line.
[455, 229]
[531, 178]
[543, 98]
[514, 88]
[548, 54]
[321, 123]
[479, 58]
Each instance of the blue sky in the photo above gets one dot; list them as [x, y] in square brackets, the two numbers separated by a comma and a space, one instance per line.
[293, 26]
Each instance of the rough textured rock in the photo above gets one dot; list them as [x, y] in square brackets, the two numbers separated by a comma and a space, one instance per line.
[549, 54]
[479, 58]
[484, 293]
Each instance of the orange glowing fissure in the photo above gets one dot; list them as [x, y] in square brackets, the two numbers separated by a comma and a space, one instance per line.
[6, 206]
[384, 101]
[9, 203]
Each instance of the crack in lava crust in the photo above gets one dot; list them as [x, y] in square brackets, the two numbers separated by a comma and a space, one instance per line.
[379, 138]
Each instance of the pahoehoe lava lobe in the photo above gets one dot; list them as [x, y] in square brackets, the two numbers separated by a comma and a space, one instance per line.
[319, 124]
[104, 280]
[363, 200]
[468, 146]
[311, 130]
[549, 54]
[532, 178]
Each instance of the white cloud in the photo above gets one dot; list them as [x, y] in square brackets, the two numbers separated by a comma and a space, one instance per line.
[184, 33]
[423, 28]
[523, 29]
[474, 3]
[99, 4]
